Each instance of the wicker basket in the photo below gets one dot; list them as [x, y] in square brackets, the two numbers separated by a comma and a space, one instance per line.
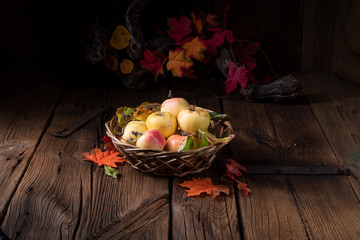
[166, 163]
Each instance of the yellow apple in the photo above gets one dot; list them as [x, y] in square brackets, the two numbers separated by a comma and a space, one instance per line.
[133, 130]
[174, 105]
[151, 139]
[165, 122]
[192, 118]
[173, 142]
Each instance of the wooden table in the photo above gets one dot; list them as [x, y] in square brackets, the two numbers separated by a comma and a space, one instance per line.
[48, 192]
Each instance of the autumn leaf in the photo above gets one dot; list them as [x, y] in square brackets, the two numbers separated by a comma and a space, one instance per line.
[237, 75]
[178, 61]
[109, 143]
[195, 49]
[244, 54]
[179, 29]
[152, 62]
[203, 185]
[211, 20]
[220, 35]
[108, 158]
[235, 169]
[196, 23]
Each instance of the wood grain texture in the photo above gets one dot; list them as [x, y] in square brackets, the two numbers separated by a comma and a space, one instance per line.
[63, 197]
[331, 38]
[24, 114]
[337, 110]
[203, 217]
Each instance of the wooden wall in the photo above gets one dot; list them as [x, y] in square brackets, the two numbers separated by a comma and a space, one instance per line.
[331, 38]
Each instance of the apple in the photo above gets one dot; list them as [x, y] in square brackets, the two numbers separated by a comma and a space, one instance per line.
[151, 139]
[174, 105]
[192, 118]
[173, 142]
[133, 130]
[165, 122]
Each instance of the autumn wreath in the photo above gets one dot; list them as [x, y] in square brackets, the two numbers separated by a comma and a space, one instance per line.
[190, 47]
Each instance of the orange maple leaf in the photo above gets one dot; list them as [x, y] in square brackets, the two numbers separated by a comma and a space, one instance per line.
[195, 49]
[196, 23]
[200, 185]
[178, 61]
[108, 158]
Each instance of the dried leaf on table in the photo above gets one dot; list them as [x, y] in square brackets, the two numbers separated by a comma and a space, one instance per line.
[112, 172]
[235, 169]
[178, 62]
[203, 185]
[108, 157]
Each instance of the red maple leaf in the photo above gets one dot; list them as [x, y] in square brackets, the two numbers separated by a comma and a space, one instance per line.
[244, 54]
[108, 158]
[109, 143]
[152, 62]
[236, 75]
[235, 169]
[221, 34]
[179, 29]
[203, 185]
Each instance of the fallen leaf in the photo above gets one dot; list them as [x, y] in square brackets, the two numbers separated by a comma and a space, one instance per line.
[152, 62]
[195, 49]
[179, 29]
[178, 61]
[212, 139]
[109, 143]
[234, 168]
[237, 75]
[203, 185]
[108, 157]
[120, 38]
[112, 172]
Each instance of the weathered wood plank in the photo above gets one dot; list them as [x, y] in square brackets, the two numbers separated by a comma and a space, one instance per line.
[337, 110]
[203, 217]
[63, 197]
[24, 115]
[287, 135]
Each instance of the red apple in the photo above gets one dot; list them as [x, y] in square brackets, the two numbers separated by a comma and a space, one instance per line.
[151, 139]
[174, 105]
[192, 118]
[173, 142]
[165, 122]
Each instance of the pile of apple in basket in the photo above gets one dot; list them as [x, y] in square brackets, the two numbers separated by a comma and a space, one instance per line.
[173, 138]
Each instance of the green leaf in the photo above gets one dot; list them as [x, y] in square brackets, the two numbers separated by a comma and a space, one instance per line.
[204, 143]
[187, 144]
[110, 171]
[219, 116]
[128, 111]
[212, 139]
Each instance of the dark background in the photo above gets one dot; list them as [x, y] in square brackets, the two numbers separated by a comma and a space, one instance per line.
[53, 34]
